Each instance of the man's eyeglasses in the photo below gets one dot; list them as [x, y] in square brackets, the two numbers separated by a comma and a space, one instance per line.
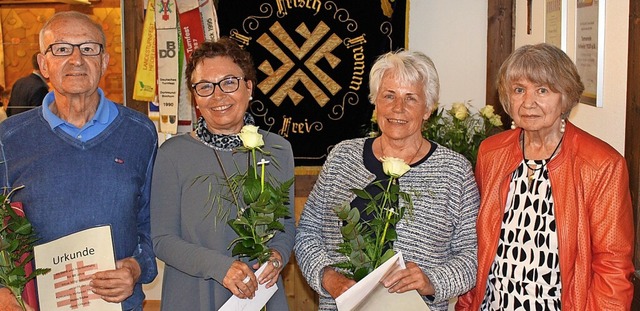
[226, 85]
[66, 49]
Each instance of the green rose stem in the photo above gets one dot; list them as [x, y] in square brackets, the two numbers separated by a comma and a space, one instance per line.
[253, 156]
[262, 164]
[386, 223]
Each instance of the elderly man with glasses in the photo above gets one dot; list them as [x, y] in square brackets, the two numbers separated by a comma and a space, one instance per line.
[84, 161]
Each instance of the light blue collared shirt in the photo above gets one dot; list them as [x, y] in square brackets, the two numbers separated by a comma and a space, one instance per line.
[105, 114]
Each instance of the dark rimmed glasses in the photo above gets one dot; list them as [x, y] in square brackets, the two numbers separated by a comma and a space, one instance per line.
[226, 85]
[66, 49]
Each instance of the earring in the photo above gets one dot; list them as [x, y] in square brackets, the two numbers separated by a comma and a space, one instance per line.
[513, 125]
[563, 124]
[250, 98]
[198, 107]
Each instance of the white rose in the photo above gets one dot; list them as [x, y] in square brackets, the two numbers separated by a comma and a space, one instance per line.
[487, 111]
[495, 120]
[250, 137]
[459, 111]
[249, 129]
[394, 167]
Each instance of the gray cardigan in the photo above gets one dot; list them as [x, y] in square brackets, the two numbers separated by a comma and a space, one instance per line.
[441, 238]
[186, 234]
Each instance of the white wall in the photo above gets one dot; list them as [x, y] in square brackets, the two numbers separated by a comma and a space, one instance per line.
[454, 35]
[607, 122]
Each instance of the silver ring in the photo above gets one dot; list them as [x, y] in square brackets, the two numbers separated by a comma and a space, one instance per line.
[246, 280]
[276, 263]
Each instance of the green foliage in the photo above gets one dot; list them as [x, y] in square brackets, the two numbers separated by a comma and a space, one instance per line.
[16, 243]
[364, 241]
[461, 131]
[258, 221]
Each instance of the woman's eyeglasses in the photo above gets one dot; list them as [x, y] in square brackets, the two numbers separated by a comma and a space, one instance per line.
[226, 85]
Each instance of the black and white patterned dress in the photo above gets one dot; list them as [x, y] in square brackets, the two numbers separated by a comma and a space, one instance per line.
[525, 274]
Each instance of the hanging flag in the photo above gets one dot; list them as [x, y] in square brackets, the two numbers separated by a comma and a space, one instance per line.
[313, 60]
[190, 25]
[168, 69]
[209, 20]
[145, 82]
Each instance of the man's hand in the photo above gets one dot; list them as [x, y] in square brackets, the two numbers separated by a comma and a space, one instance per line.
[117, 285]
[335, 283]
[8, 302]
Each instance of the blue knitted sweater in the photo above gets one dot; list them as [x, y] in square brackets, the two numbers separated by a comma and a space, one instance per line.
[71, 185]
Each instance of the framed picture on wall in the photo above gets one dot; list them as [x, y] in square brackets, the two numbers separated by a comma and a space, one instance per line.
[555, 19]
[590, 15]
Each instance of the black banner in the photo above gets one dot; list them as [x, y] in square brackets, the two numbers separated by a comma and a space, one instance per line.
[313, 59]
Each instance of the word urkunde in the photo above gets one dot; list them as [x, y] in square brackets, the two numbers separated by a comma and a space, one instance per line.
[76, 255]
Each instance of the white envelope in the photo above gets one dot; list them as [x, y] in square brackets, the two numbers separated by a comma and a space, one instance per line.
[263, 294]
[370, 295]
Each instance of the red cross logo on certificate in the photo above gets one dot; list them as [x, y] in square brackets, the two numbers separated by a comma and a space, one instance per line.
[72, 285]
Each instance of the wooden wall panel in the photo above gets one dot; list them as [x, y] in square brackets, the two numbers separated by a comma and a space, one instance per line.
[632, 138]
[300, 296]
[21, 26]
[499, 46]
[133, 19]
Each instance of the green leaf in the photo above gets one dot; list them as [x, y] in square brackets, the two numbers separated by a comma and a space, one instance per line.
[362, 194]
[342, 210]
[276, 225]
[388, 254]
[250, 189]
[343, 265]
[354, 216]
[361, 273]
[16, 240]
[358, 258]
[24, 228]
[240, 250]
[358, 242]
[348, 231]
[239, 229]
[248, 243]
[391, 235]
[263, 220]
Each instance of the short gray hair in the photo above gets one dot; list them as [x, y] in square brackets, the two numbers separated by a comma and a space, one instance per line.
[409, 67]
[72, 15]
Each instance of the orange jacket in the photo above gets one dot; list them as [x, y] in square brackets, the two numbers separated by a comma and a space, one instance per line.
[593, 212]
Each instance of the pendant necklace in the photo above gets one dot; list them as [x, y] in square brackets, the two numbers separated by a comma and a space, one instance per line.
[412, 158]
[532, 170]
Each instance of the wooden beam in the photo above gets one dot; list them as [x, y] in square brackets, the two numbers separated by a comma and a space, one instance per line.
[499, 46]
[27, 2]
[632, 139]
[133, 21]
